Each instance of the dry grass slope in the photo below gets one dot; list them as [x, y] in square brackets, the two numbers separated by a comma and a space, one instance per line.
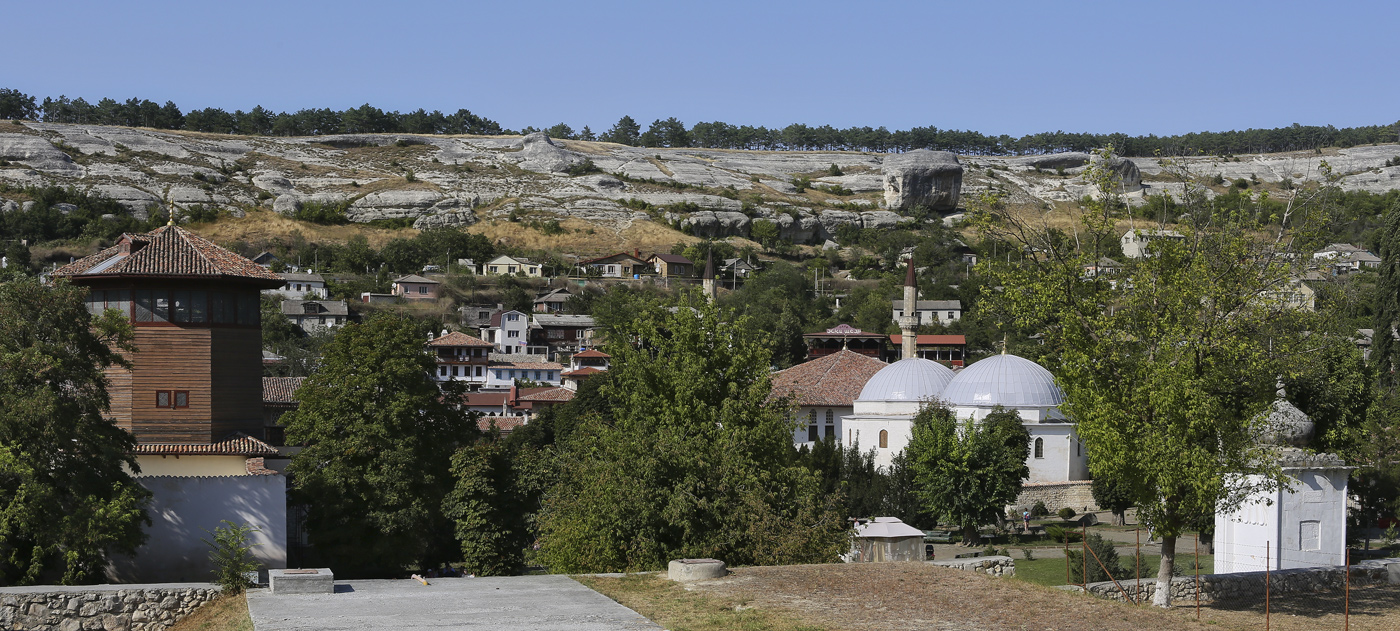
[224, 614]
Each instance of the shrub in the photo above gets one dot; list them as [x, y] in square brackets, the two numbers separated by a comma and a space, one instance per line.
[1217, 179]
[409, 176]
[1039, 509]
[834, 171]
[1241, 183]
[1060, 534]
[1103, 557]
[801, 183]
[232, 557]
[582, 168]
[835, 189]
[1066, 513]
[322, 213]
[1027, 554]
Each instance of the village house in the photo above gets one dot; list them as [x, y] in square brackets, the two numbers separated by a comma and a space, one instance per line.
[508, 331]
[553, 301]
[191, 396]
[671, 265]
[502, 374]
[949, 350]
[620, 265]
[929, 311]
[266, 259]
[515, 401]
[316, 315]
[1344, 258]
[585, 364]
[461, 357]
[562, 333]
[415, 287]
[510, 265]
[477, 316]
[823, 391]
[300, 286]
[1136, 243]
[843, 337]
[736, 268]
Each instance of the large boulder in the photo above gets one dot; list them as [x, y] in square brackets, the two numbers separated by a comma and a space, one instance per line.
[393, 205]
[449, 211]
[539, 154]
[922, 177]
[832, 219]
[37, 153]
[1123, 171]
[717, 224]
[273, 183]
[1053, 161]
[880, 220]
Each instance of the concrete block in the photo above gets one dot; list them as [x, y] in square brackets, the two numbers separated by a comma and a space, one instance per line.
[309, 581]
[687, 570]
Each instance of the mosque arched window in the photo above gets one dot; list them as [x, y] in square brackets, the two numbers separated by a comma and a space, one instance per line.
[830, 417]
[1040, 447]
[884, 439]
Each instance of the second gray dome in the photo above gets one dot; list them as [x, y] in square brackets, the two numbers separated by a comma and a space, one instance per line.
[912, 379]
[1005, 380]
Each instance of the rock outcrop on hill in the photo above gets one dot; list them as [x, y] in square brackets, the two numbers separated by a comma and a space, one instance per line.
[458, 180]
[922, 177]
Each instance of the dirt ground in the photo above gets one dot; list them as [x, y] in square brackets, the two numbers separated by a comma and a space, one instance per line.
[1375, 608]
[869, 596]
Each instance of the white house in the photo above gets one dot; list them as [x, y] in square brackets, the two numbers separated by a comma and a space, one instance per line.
[512, 265]
[299, 286]
[930, 311]
[501, 375]
[1135, 242]
[460, 357]
[508, 331]
[316, 315]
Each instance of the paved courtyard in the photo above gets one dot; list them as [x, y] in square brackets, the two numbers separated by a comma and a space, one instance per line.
[505, 603]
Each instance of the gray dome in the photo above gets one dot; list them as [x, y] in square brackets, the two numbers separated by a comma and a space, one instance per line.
[912, 379]
[1005, 380]
[1286, 425]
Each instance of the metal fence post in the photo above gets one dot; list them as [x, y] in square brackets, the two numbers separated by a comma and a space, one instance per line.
[1346, 611]
[1137, 567]
[1198, 577]
[1268, 549]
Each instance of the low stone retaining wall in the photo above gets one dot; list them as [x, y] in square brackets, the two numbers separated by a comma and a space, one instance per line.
[993, 565]
[1251, 584]
[108, 607]
[1056, 495]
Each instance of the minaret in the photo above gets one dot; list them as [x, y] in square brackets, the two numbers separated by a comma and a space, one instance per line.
[707, 280]
[910, 322]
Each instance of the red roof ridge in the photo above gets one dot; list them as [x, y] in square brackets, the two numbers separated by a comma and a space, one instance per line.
[235, 444]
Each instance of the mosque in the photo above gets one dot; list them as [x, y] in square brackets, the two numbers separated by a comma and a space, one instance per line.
[882, 415]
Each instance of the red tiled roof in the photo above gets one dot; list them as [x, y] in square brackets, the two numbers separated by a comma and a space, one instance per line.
[281, 389]
[586, 371]
[591, 353]
[493, 399]
[504, 423]
[458, 338]
[167, 251]
[672, 258]
[237, 444]
[834, 380]
[559, 395]
[932, 340]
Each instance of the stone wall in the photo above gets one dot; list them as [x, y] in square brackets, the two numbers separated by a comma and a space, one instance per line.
[108, 607]
[992, 566]
[1251, 584]
[1056, 495]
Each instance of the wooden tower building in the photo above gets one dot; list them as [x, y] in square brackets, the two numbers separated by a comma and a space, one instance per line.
[195, 382]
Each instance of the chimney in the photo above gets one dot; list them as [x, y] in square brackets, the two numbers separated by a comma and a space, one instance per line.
[910, 322]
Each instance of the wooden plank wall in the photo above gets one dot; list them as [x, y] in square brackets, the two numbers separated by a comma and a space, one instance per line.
[237, 382]
[171, 358]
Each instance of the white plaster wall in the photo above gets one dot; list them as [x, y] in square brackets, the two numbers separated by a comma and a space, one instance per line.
[1064, 459]
[864, 431]
[803, 420]
[1270, 526]
[191, 465]
[186, 510]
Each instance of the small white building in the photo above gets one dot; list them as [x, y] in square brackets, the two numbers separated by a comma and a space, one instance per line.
[509, 265]
[501, 375]
[508, 331]
[886, 539]
[1302, 525]
[299, 286]
[930, 311]
[1136, 242]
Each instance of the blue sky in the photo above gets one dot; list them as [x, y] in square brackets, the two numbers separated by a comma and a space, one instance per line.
[995, 67]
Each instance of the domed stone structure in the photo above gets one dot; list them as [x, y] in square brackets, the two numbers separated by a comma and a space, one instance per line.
[1028, 389]
[1005, 380]
[1286, 425]
[883, 415]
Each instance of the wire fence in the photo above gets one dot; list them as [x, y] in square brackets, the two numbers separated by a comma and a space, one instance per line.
[1261, 585]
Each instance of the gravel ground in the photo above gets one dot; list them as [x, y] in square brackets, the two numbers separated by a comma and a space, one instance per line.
[869, 596]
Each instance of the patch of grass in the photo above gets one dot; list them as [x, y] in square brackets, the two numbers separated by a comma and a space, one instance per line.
[229, 613]
[673, 607]
[1051, 572]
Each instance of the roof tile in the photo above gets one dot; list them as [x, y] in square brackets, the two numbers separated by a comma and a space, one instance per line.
[834, 380]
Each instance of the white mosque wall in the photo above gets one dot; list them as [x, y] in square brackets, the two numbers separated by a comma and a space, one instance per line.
[1062, 457]
[1302, 526]
[865, 432]
[822, 417]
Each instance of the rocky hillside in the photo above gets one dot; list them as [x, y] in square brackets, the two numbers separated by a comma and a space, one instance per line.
[462, 180]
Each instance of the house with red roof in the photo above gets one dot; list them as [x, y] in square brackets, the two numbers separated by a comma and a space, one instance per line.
[949, 350]
[583, 365]
[823, 391]
[620, 265]
[415, 287]
[461, 357]
[844, 337]
[191, 395]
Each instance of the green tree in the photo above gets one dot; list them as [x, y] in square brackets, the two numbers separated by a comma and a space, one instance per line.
[625, 132]
[966, 472]
[489, 509]
[1114, 496]
[379, 439]
[692, 463]
[1166, 370]
[16, 105]
[67, 500]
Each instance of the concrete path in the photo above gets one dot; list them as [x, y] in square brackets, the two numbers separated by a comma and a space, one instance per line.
[506, 603]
